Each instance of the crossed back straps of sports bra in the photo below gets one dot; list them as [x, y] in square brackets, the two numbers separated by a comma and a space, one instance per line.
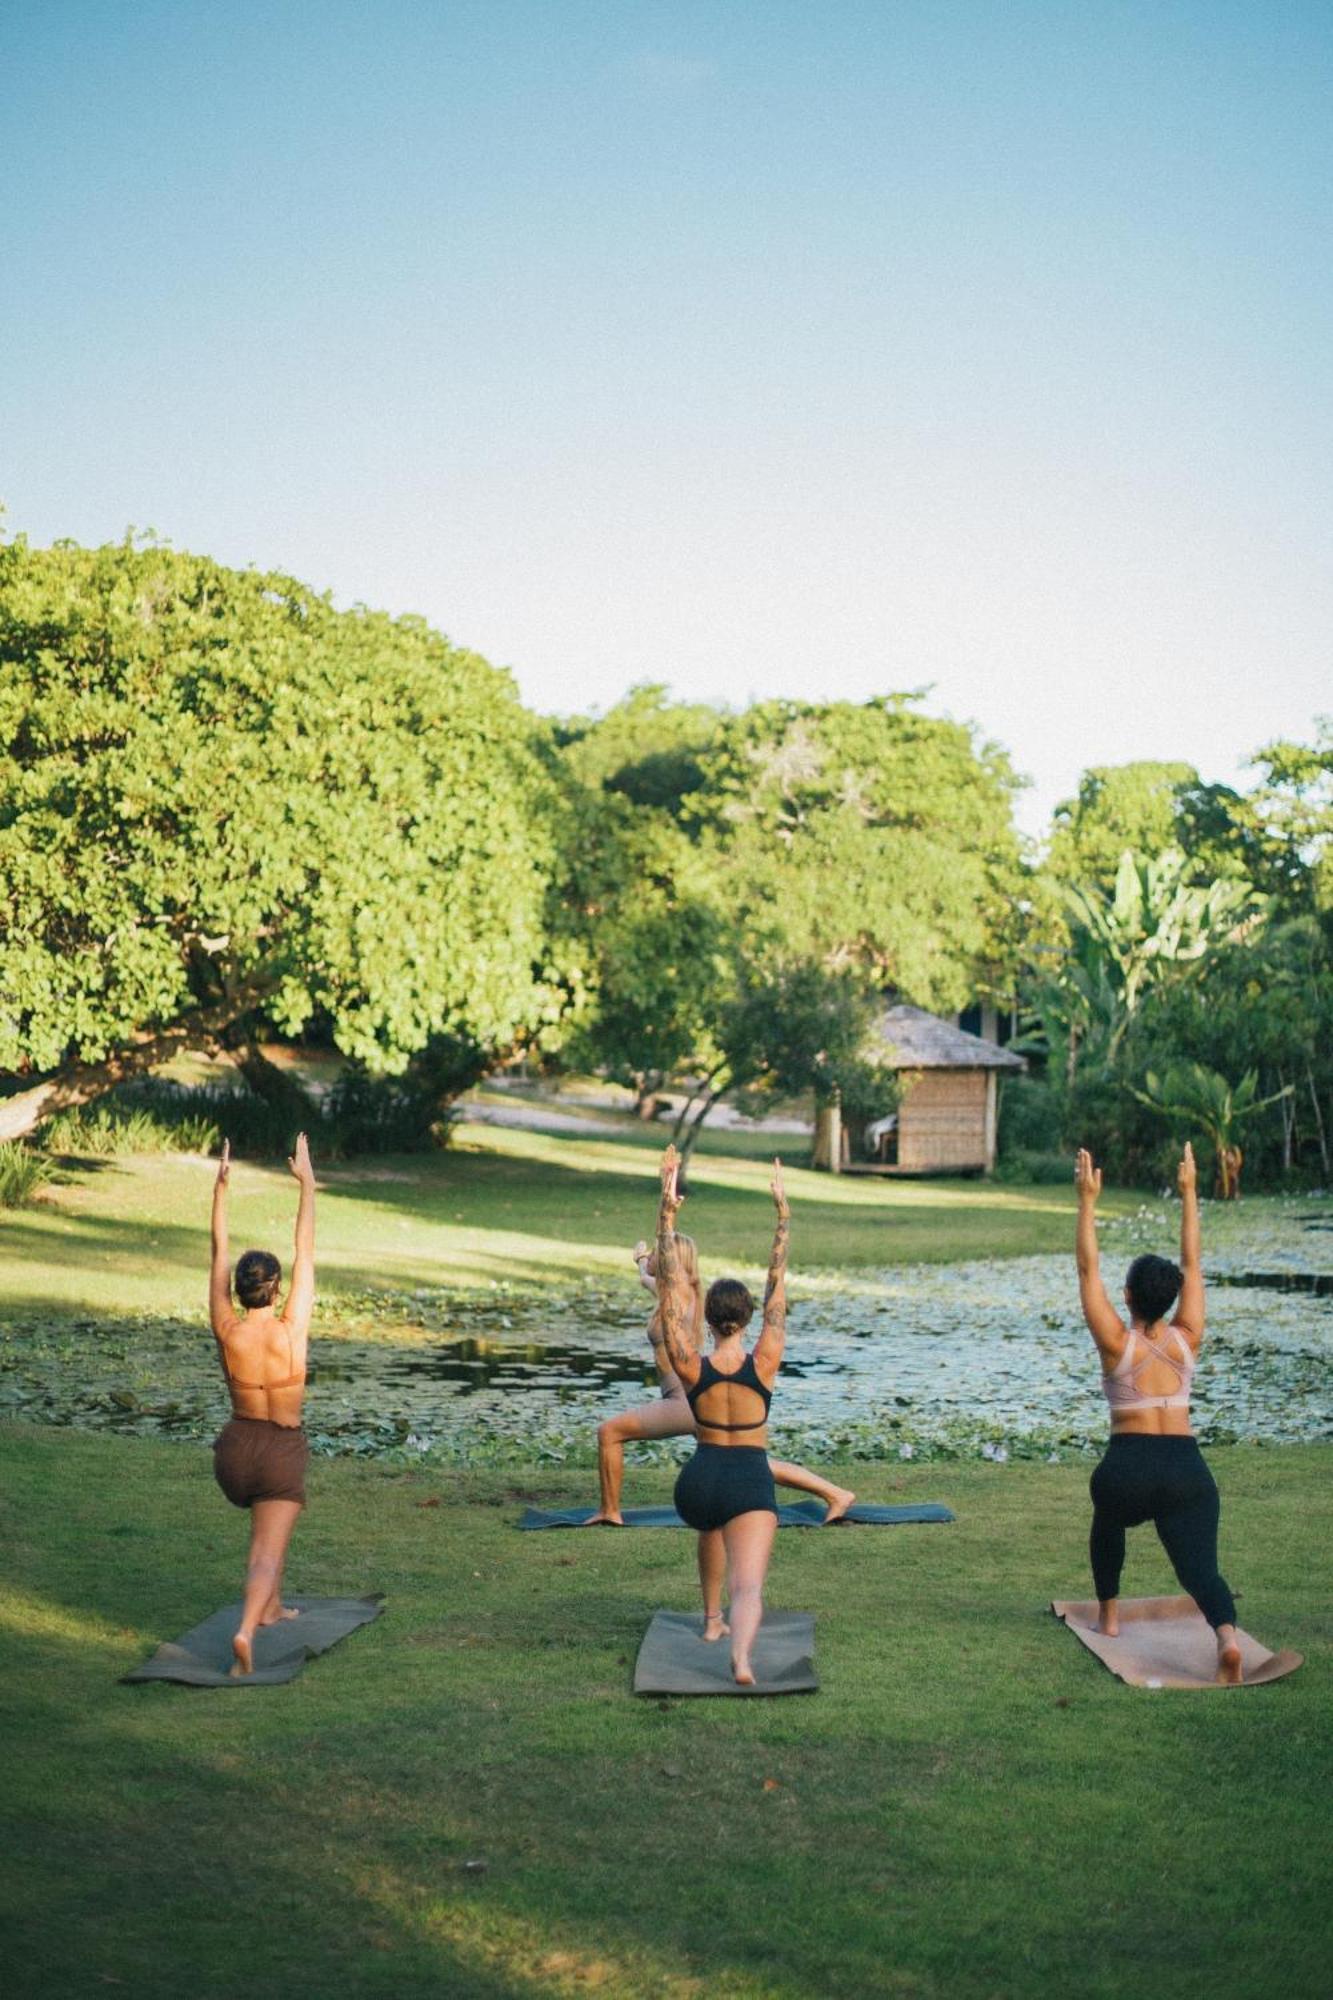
[292, 1381]
[709, 1377]
[1121, 1384]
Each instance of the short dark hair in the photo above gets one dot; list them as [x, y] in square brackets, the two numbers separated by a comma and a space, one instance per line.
[1153, 1284]
[258, 1275]
[729, 1305]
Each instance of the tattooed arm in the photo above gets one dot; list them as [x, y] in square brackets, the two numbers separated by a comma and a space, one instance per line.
[670, 1291]
[768, 1348]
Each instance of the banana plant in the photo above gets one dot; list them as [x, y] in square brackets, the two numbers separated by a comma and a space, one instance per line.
[1192, 1095]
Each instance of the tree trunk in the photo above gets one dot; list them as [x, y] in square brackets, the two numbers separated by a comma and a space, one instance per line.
[276, 1086]
[1318, 1119]
[827, 1153]
[1288, 1109]
[81, 1082]
[696, 1126]
[682, 1116]
[648, 1086]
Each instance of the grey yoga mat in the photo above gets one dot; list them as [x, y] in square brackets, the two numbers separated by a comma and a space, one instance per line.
[203, 1656]
[800, 1514]
[1164, 1642]
[675, 1659]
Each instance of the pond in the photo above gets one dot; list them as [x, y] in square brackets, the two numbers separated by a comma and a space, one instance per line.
[916, 1361]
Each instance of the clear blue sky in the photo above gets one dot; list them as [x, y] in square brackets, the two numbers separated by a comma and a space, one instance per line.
[813, 348]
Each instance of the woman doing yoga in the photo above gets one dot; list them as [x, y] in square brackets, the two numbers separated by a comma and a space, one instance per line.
[259, 1459]
[1153, 1469]
[726, 1489]
[671, 1415]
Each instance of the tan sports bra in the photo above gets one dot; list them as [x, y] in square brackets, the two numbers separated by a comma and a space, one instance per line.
[292, 1381]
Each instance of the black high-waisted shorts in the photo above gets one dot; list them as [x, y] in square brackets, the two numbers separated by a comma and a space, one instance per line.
[256, 1460]
[722, 1481]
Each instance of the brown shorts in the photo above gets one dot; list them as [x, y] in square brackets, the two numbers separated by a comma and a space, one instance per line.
[256, 1460]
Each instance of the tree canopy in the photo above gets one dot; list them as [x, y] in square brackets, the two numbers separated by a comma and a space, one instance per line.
[228, 802]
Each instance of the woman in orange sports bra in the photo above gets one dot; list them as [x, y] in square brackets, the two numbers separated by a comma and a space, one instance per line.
[1153, 1469]
[259, 1458]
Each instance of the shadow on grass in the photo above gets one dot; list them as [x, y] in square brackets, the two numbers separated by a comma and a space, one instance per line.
[910, 1831]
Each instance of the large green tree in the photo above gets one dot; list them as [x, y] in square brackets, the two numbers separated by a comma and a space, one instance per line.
[750, 874]
[872, 835]
[226, 804]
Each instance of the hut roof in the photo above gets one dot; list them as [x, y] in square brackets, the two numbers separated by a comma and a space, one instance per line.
[918, 1040]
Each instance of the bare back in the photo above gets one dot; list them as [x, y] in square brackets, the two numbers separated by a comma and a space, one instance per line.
[731, 1412]
[263, 1356]
[1154, 1361]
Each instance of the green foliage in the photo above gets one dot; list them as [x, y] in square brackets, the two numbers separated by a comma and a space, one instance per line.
[739, 882]
[1154, 927]
[647, 911]
[227, 801]
[647, 748]
[867, 833]
[797, 1028]
[23, 1174]
[113, 1126]
[1197, 1099]
[1118, 806]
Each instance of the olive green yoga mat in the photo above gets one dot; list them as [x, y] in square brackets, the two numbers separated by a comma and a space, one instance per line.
[203, 1657]
[1165, 1642]
[676, 1659]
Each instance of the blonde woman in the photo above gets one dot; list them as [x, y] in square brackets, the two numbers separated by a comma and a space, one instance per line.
[670, 1415]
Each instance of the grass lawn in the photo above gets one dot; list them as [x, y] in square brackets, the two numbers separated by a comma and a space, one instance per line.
[501, 1204]
[465, 1799]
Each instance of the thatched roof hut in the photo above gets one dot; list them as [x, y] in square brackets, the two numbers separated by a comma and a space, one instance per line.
[946, 1121]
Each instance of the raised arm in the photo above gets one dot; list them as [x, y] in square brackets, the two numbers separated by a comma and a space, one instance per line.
[1190, 1312]
[643, 1261]
[301, 1297]
[220, 1312]
[670, 1292]
[772, 1339]
[1104, 1322]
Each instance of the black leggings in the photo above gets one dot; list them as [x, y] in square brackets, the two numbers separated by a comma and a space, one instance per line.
[1163, 1480]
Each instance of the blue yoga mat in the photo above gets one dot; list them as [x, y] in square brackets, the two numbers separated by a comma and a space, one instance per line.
[800, 1514]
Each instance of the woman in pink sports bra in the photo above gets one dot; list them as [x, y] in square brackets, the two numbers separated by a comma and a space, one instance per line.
[1153, 1469]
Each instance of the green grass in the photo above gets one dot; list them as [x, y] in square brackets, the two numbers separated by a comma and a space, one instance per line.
[501, 1204]
[971, 1806]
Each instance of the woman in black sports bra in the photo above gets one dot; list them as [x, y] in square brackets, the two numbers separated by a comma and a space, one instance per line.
[726, 1489]
[259, 1458]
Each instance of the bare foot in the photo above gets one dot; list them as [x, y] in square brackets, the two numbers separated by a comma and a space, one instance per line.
[244, 1661]
[742, 1673]
[715, 1626]
[838, 1505]
[1229, 1670]
[1109, 1627]
[277, 1611]
[605, 1518]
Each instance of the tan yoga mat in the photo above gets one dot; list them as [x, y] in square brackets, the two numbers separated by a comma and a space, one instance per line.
[1166, 1642]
